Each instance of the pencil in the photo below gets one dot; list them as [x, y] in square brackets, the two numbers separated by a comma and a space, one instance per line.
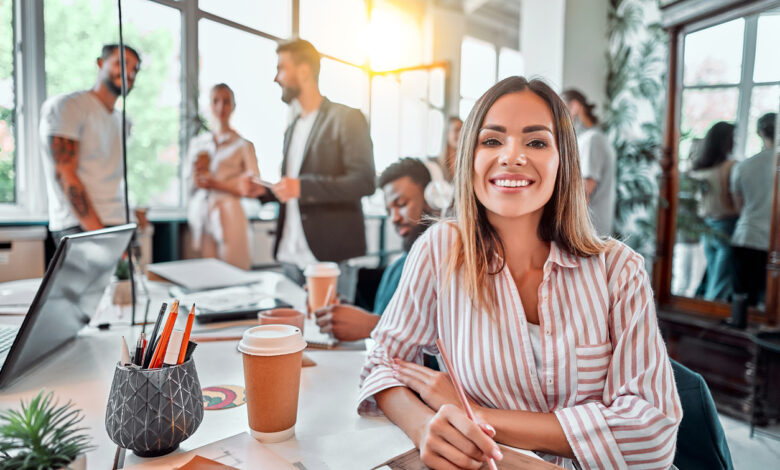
[459, 388]
[186, 337]
[208, 339]
[148, 356]
[165, 336]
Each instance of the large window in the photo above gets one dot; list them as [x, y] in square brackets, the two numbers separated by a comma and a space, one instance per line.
[407, 114]
[259, 114]
[371, 61]
[481, 66]
[730, 74]
[7, 141]
[153, 104]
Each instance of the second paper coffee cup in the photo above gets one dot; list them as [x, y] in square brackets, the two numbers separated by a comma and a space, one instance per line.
[272, 376]
[321, 279]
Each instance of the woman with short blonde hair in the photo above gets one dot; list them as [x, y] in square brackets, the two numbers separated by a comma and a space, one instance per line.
[551, 330]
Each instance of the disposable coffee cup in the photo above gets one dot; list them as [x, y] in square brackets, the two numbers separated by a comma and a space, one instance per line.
[321, 281]
[281, 316]
[272, 375]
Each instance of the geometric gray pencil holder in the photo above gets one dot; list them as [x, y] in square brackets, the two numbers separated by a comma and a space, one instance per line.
[150, 411]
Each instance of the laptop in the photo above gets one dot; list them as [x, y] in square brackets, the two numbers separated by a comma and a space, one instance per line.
[68, 296]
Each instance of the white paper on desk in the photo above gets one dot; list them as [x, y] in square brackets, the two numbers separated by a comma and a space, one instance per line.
[364, 449]
[314, 337]
[200, 274]
[241, 451]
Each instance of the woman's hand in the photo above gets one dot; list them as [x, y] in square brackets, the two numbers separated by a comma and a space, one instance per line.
[450, 440]
[249, 185]
[205, 181]
[435, 388]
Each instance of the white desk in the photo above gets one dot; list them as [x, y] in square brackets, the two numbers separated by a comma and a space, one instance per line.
[328, 428]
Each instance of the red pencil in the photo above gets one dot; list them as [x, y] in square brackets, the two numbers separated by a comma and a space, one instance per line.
[459, 388]
[185, 339]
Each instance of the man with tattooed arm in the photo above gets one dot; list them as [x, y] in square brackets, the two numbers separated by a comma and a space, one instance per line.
[82, 149]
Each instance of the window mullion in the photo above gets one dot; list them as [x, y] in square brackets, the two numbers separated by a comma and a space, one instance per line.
[746, 84]
[30, 80]
[190, 88]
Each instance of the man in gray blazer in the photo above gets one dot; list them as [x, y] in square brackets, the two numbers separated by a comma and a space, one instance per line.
[328, 166]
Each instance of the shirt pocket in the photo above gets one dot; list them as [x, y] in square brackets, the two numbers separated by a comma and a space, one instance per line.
[592, 365]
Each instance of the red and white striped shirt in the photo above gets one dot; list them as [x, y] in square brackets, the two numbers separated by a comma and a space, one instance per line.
[605, 372]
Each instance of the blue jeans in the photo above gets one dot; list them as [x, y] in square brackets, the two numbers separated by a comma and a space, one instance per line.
[718, 280]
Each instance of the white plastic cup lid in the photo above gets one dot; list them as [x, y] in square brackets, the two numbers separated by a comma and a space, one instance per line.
[271, 340]
[326, 269]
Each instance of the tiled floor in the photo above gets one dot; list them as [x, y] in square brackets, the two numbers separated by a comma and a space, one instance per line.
[760, 452]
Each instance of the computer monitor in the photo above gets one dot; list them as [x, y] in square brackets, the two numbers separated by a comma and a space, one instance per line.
[67, 298]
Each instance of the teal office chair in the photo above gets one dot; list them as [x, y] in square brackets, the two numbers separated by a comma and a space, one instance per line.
[701, 442]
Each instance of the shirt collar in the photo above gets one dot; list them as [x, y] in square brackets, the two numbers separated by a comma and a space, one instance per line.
[562, 257]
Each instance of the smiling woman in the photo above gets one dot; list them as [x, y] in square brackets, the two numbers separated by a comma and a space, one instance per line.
[551, 330]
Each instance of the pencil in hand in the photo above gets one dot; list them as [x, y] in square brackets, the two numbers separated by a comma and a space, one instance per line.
[461, 394]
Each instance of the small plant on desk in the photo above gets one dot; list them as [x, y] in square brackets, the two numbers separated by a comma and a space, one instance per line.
[122, 295]
[42, 435]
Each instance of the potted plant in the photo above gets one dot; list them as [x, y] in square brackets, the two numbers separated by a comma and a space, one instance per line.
[43, 435]
[122, 294]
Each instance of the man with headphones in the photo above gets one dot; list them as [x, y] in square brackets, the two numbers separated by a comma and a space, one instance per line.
[403, 184]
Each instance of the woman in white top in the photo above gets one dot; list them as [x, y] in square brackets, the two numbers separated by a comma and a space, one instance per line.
[215, 163]
[551, 330]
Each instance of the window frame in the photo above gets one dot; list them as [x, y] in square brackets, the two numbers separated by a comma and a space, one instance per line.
[677, 28]
[30, 204]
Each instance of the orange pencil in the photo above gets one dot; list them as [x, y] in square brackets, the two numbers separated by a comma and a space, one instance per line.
[162, 345]
[185, 339]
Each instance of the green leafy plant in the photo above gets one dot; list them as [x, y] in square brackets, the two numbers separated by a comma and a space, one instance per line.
[636, 62]
[122, 270]
[42, 435]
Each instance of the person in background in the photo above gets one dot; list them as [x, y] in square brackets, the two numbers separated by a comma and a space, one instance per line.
[713, 169]
[328, 166]
[215, 163]
[597, 160]
[81, 137]
[440, 192]
[752, 184]
[551, 330]
[403, 184]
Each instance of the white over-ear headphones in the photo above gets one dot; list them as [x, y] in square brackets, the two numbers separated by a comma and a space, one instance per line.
[439, 194]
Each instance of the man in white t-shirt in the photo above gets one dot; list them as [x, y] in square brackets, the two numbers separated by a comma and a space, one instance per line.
[597, 162]
[752, 187]
[81, 140]
[328, 165]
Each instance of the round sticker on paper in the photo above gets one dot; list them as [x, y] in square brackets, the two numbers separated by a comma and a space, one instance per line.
[223, 397]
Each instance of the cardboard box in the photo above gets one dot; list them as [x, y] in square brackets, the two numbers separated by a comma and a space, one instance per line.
[22, 252]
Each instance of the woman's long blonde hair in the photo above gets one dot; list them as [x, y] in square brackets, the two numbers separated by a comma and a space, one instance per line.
[478, 250]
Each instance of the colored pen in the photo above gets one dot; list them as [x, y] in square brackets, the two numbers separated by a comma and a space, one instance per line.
[186, 337]
[459, 389]
[139, 350]
[155, 330]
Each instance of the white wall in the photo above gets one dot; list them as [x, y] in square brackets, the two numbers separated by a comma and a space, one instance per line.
[542, 25]
[585, 49]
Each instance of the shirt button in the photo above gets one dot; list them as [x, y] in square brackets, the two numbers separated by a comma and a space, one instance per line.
[547, 332]
[549, 381]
